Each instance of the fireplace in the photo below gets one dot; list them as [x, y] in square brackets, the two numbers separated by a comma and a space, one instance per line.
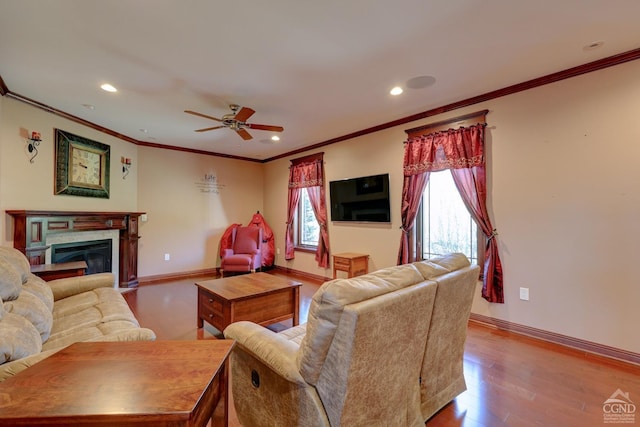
[85, 239]
[97, 254]
[34, 232]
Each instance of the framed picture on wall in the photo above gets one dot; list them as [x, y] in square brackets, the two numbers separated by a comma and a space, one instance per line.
[82, 166]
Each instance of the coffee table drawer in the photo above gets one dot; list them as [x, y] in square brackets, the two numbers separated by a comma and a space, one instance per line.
[212, 317]
[209, 302]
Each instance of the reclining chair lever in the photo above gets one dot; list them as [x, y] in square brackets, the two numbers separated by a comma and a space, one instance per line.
[255, 378]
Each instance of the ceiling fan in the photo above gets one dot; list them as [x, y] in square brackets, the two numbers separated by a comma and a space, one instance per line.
[236, 120]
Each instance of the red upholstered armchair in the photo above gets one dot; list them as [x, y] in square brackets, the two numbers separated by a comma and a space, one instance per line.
[245, 252]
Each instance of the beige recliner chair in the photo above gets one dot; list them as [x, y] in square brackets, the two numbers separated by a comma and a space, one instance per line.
[360, 358]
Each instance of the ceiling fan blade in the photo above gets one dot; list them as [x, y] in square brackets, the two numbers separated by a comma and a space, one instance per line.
[265, 127]
[195, 113]
[244, 134]
[206, 129]
[244, 114]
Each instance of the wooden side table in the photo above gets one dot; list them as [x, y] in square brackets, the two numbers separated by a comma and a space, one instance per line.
[59, 270]
[353, 263]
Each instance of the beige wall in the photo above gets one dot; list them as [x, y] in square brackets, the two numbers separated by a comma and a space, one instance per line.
[190, 200]
[186, 214]
[25, 185]
[563, 176]
[377, 153]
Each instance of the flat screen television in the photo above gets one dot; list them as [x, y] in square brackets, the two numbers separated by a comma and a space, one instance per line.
[363, 199]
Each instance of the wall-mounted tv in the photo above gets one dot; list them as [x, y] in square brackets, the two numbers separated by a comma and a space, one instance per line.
[364, 199]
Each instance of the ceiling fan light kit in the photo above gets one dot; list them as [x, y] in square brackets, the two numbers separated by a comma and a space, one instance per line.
[237, 121]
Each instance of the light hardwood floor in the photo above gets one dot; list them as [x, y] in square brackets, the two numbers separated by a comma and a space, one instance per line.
[512, 380]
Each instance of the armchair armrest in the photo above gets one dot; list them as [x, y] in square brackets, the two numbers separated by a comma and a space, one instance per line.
[267, 385]
[273, 350]
[63, 288]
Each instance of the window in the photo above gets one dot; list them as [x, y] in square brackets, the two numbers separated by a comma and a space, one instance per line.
[307, 229]
[446, 224]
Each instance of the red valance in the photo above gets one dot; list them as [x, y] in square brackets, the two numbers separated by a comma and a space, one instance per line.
[450, 149]
[307, 174]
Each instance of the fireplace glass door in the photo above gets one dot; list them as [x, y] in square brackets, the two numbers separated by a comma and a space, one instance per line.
[97, 254]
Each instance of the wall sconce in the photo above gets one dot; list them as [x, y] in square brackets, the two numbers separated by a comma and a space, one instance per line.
[126, 164]
[32, 146]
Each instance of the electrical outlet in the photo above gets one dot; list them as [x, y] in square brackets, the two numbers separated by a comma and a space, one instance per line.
[278, 251]
[167, 257]
[524, 294]
[143, 218]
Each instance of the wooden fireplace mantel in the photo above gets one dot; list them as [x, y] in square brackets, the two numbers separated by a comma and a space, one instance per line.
[31, 227]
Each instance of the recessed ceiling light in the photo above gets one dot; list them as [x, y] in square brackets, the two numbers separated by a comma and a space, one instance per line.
[108, 88]
[420, 82]
[593, 45]
[396, 91]
[275, 138]
[143, 130]
[89, 106]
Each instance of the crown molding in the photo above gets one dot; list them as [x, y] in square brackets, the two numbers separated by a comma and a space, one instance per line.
[3, 87]
[108, 131]
[600, 64]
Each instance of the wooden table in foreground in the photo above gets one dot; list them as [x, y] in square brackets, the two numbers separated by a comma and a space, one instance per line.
[258, 297]
[135, 383]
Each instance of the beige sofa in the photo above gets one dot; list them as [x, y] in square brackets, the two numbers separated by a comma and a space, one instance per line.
[382, 349]
[38, 318]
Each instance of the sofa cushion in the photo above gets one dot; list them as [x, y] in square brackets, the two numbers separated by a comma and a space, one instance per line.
[246, 241]
[451, 262]
[74, 304]
[33, 309]
[88, 316]
[238, 260]
[327, 306]
[429, 269]
[294, 334]
[10, 281]
[18, 338]
[437, 266]
[40, 289]
[18, 260]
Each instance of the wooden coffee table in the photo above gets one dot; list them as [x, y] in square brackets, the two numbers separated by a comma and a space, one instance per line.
[258, 297]
[158, 383]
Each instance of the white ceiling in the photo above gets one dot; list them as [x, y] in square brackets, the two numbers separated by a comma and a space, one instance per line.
[321, 69]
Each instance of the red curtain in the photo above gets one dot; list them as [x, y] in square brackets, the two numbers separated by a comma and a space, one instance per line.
[317, 199]
[308, 172]
[412, 188]
[462, 151]
[292, 204]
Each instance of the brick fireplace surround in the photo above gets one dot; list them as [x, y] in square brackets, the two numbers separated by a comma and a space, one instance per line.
[31, 228]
